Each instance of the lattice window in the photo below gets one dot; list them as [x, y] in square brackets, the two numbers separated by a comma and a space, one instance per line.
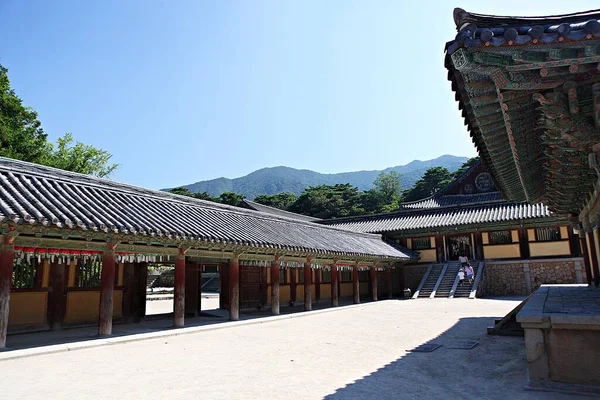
[346, 276]
[500, 237]
[326, 276]
[89, 273]
[23, 276]
[421, 243]
[547, 234]
[363, 276]
[282, 275]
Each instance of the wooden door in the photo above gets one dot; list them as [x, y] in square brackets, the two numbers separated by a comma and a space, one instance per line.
[250, 287]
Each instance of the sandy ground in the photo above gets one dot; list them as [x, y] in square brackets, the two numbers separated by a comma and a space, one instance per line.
[352, 353]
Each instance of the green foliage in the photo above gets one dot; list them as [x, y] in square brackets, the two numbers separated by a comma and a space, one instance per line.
[182, 192]
[22, 138]
[343, 200]
[279, 200]
[21, 134]
[233, 199]
[79, 157]
[468, 164]
[290, 180]
[433, 180]
[185, 192]
[326, 201]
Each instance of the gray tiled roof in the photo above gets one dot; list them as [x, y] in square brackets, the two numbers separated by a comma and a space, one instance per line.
[276, 211]
[453, 200]
[443, 217]
[35, 195]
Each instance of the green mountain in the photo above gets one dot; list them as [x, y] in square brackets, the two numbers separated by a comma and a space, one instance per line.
[285, 179]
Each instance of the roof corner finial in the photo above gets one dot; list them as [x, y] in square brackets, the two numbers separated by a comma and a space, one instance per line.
[459, 14]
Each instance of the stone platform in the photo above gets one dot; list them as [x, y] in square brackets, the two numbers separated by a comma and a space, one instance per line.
[562, 338]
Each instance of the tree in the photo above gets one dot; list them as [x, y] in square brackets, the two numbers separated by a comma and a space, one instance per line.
[231, 198]
[79, 157]
[181, 191]
[202, 196]
[279, 200]
[466, 165]
[205, 196]
[21, 134]
[433, 180]
[388, 185]
[326, 201]
[22, 138]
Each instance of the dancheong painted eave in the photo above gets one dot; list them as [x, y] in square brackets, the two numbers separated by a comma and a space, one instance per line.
[32, 195]
[528, 91]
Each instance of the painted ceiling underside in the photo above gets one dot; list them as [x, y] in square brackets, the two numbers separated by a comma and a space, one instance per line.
[529, 91]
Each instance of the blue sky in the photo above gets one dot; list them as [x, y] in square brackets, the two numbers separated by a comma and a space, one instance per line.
[182, 91]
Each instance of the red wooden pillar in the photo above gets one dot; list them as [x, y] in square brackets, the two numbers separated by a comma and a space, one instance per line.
[388, 281]
[586, 257]
[234, 289]
[334, 286]
[355, 285]
[275, 287]
[7, 256]
[594, 256]
[107, 289]
[179, 293]
[317, 285]
[293, 283]
[374, 281]
[57, 299]
[307, 286]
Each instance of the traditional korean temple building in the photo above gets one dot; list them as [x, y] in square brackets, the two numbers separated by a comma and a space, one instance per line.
[76, 251]
[521, 245]
[529, 92]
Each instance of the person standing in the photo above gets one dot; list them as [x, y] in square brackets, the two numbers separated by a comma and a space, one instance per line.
[463, 260]
[470, 273]
[461, 276]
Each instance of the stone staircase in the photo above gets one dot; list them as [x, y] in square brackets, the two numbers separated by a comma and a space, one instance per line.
[151, 280]
[448, 280]
[210, 283]
[430, 281]
[465, 289]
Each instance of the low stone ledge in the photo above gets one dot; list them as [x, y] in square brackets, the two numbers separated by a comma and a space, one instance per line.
[562, 340]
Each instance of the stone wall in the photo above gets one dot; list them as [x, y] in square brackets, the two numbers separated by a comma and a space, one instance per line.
[521, 277]
[413, 275]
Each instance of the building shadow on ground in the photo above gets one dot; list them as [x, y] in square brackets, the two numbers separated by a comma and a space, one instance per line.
[495, 368]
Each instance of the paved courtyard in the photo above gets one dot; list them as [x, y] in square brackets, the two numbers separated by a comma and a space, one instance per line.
[356, 352]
